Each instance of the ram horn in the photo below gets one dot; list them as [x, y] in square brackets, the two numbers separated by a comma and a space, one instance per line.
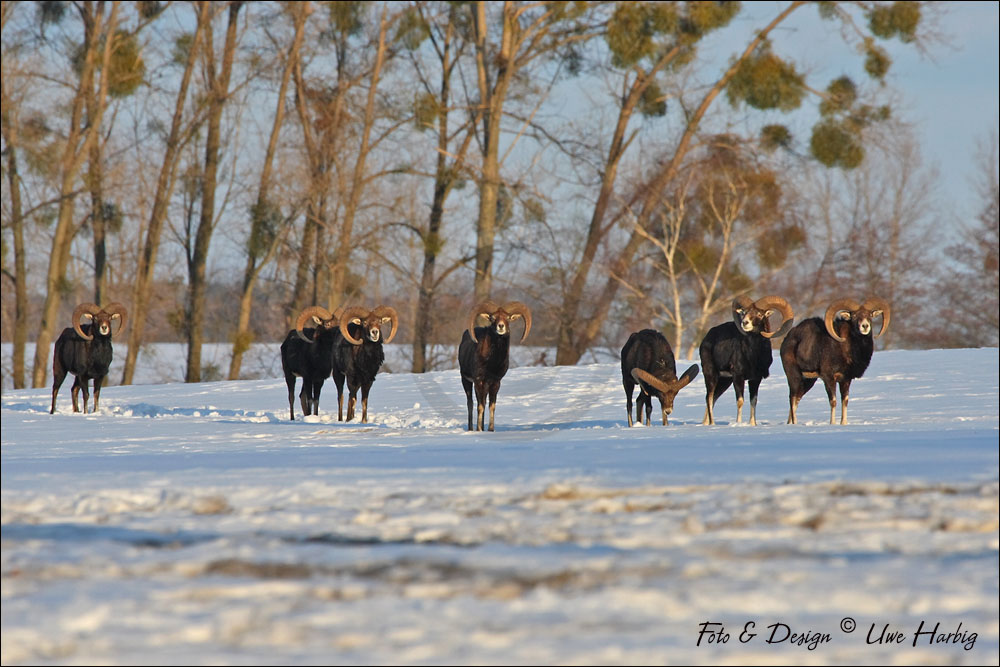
[350, 315]
[81, 310]
[876, 304]
[518, 308]
[640, 375]
[310, 312]
[838, 306]
[787, 314]
[484, 308]
[691, 373]
[116, 308]
[384, 312]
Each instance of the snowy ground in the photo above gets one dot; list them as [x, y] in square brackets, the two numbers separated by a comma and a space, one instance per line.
[195, 524]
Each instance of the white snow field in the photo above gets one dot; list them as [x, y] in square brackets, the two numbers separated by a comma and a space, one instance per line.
[196, 524]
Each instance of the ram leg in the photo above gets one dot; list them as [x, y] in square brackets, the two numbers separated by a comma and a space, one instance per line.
[316, 390]
[754, 387]
[75, 391]
[338, 379]
[738, 388]
[481, 397]
[467, 386]
[831, 392]
[712, 397]
[364, 403]
[290, 383]
[58, 376]
[628, 401]
[493, 401]
[352, 400]
[845, 390]
[97, 391]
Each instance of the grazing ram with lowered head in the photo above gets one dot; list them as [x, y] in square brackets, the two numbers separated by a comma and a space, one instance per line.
[358, 354]
[648, 360]
[837, 348]
[739, 352]
[85, 350]
[484, 354]
[308, 353]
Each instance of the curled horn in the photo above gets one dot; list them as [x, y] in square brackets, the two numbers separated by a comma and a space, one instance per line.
[741, 303]
[875, 303]
[346, 317]
[640, 375]
[119, 309]
[518, 308]
[777, 303]
[81, 310]
[484, 308]
[387, 311]
[312, 311]
[838, 306]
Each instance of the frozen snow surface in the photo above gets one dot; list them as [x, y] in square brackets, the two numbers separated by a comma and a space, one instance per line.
[197, 524]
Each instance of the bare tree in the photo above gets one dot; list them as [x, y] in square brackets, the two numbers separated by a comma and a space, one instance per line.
[180, 133]
[10, 122]
[123, 72]
[436, 107]
[98, 27]
[528, 31]
[322, 108]
[359, 177]
[721, 233]
[874, 234]
[267, 227]
[756, 77]
[971, 281]
[217, 90]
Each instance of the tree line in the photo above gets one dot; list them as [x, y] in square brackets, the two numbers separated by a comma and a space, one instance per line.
[219, 166]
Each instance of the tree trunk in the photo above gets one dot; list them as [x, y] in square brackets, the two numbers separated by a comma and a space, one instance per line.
[492, 96]
[242, 339]
[304, 290]
[342, 255]
[76, 149]
[218, 90]
[20, 276]
[312, 251]
[95, 175]
[164, 191]
[444, 178]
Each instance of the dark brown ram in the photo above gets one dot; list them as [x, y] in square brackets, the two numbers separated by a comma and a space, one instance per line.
[307, 352]
[85, 350]
[358, 354]
[484, 354]
[648, 360]
[740, 351]
[836, 348]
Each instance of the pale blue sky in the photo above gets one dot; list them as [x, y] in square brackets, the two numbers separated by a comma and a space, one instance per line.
[951, 93]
